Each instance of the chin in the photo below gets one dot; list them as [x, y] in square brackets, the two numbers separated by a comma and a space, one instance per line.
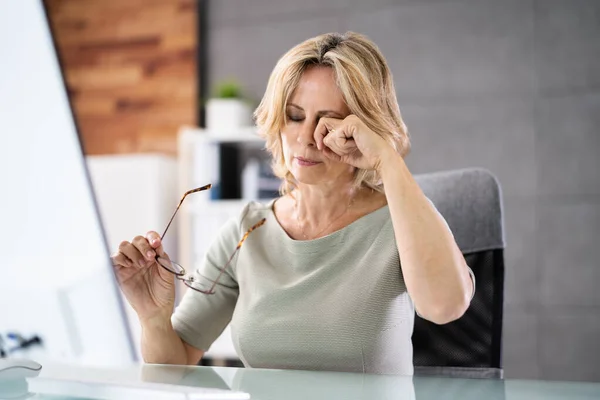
[319, 178]
[309, 178]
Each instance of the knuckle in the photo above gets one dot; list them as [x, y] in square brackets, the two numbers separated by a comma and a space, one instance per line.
[117, 259]
[123, 245]
[140, 241]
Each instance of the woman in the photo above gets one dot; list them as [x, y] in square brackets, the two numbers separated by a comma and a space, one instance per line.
[348, 253]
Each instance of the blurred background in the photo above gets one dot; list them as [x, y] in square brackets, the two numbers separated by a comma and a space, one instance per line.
[512, 86]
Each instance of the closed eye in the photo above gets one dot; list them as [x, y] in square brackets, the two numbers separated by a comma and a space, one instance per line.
[295, 118]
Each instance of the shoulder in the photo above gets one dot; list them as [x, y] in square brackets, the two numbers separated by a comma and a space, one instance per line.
[234, 228]
[253, 212]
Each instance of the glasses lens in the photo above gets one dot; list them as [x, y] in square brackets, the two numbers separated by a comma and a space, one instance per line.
[171, 266]
[200, 283]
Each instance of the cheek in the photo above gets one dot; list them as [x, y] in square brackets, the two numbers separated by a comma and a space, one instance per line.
[285, 145]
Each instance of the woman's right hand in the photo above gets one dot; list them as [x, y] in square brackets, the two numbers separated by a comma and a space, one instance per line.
[149, 288]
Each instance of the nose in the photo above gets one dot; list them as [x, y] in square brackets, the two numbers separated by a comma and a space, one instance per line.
[306, 135]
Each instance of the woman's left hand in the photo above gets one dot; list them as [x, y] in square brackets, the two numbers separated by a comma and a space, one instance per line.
[350, 141]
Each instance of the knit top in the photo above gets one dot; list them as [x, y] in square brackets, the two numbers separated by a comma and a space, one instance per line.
[336, 303]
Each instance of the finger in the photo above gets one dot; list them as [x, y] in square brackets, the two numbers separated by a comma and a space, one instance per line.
[340, 141]
[323, 128]
[331, 141]
[133, 254]
[141, 243]
[155, 242]
[121, 260]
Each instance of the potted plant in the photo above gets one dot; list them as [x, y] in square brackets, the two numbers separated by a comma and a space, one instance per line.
[227, 109]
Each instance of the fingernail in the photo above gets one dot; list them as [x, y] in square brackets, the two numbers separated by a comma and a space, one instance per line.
[142, 263]
[154, 241]
[150, 255]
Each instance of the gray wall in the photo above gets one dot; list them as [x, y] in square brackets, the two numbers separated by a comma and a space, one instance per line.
[513, 86]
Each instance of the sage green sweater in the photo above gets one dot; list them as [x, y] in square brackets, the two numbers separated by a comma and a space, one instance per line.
[335, 303]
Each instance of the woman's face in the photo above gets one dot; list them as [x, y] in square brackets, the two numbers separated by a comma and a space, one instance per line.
[316, 96]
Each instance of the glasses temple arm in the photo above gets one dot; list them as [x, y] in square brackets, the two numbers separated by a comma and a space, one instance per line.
[200, 189]
[172, 217]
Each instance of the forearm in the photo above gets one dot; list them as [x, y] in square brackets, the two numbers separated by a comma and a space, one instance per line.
[161, 344]
[434, 270]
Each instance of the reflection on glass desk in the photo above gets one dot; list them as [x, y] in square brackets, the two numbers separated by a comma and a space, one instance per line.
[266, 384]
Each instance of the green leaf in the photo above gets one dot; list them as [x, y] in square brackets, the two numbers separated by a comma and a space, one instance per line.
[229, 89]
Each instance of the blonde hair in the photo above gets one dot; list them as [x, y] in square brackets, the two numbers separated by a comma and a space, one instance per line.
[365, 81]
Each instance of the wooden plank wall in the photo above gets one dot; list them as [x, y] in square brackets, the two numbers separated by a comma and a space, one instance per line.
[130, 67]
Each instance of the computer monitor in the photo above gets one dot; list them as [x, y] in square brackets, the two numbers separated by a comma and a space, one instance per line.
[56, 279]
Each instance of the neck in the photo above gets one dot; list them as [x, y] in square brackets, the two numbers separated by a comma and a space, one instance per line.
[318, 208]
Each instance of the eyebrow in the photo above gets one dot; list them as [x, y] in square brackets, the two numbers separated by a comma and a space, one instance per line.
[321, 113]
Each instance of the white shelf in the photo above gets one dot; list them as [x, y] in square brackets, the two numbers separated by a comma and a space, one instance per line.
[241, 135]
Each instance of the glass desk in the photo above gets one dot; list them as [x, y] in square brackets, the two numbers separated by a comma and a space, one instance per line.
[266, 384]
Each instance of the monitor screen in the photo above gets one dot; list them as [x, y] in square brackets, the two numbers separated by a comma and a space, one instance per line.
[56, 280]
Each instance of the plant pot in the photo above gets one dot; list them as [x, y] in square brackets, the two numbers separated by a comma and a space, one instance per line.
[226, 115]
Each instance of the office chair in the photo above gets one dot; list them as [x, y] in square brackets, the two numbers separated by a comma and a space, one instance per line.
[470, 201]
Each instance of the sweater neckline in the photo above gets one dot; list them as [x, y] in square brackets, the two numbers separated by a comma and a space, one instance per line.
[328, 241]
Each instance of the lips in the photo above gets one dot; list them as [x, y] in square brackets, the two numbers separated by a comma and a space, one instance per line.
[306, 161]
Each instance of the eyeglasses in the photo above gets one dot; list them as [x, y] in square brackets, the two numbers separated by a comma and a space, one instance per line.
[200, 283]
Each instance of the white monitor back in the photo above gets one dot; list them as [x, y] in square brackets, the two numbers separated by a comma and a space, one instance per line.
[55, 274]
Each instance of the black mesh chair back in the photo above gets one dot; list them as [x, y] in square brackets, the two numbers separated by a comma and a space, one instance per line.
[470, 201]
